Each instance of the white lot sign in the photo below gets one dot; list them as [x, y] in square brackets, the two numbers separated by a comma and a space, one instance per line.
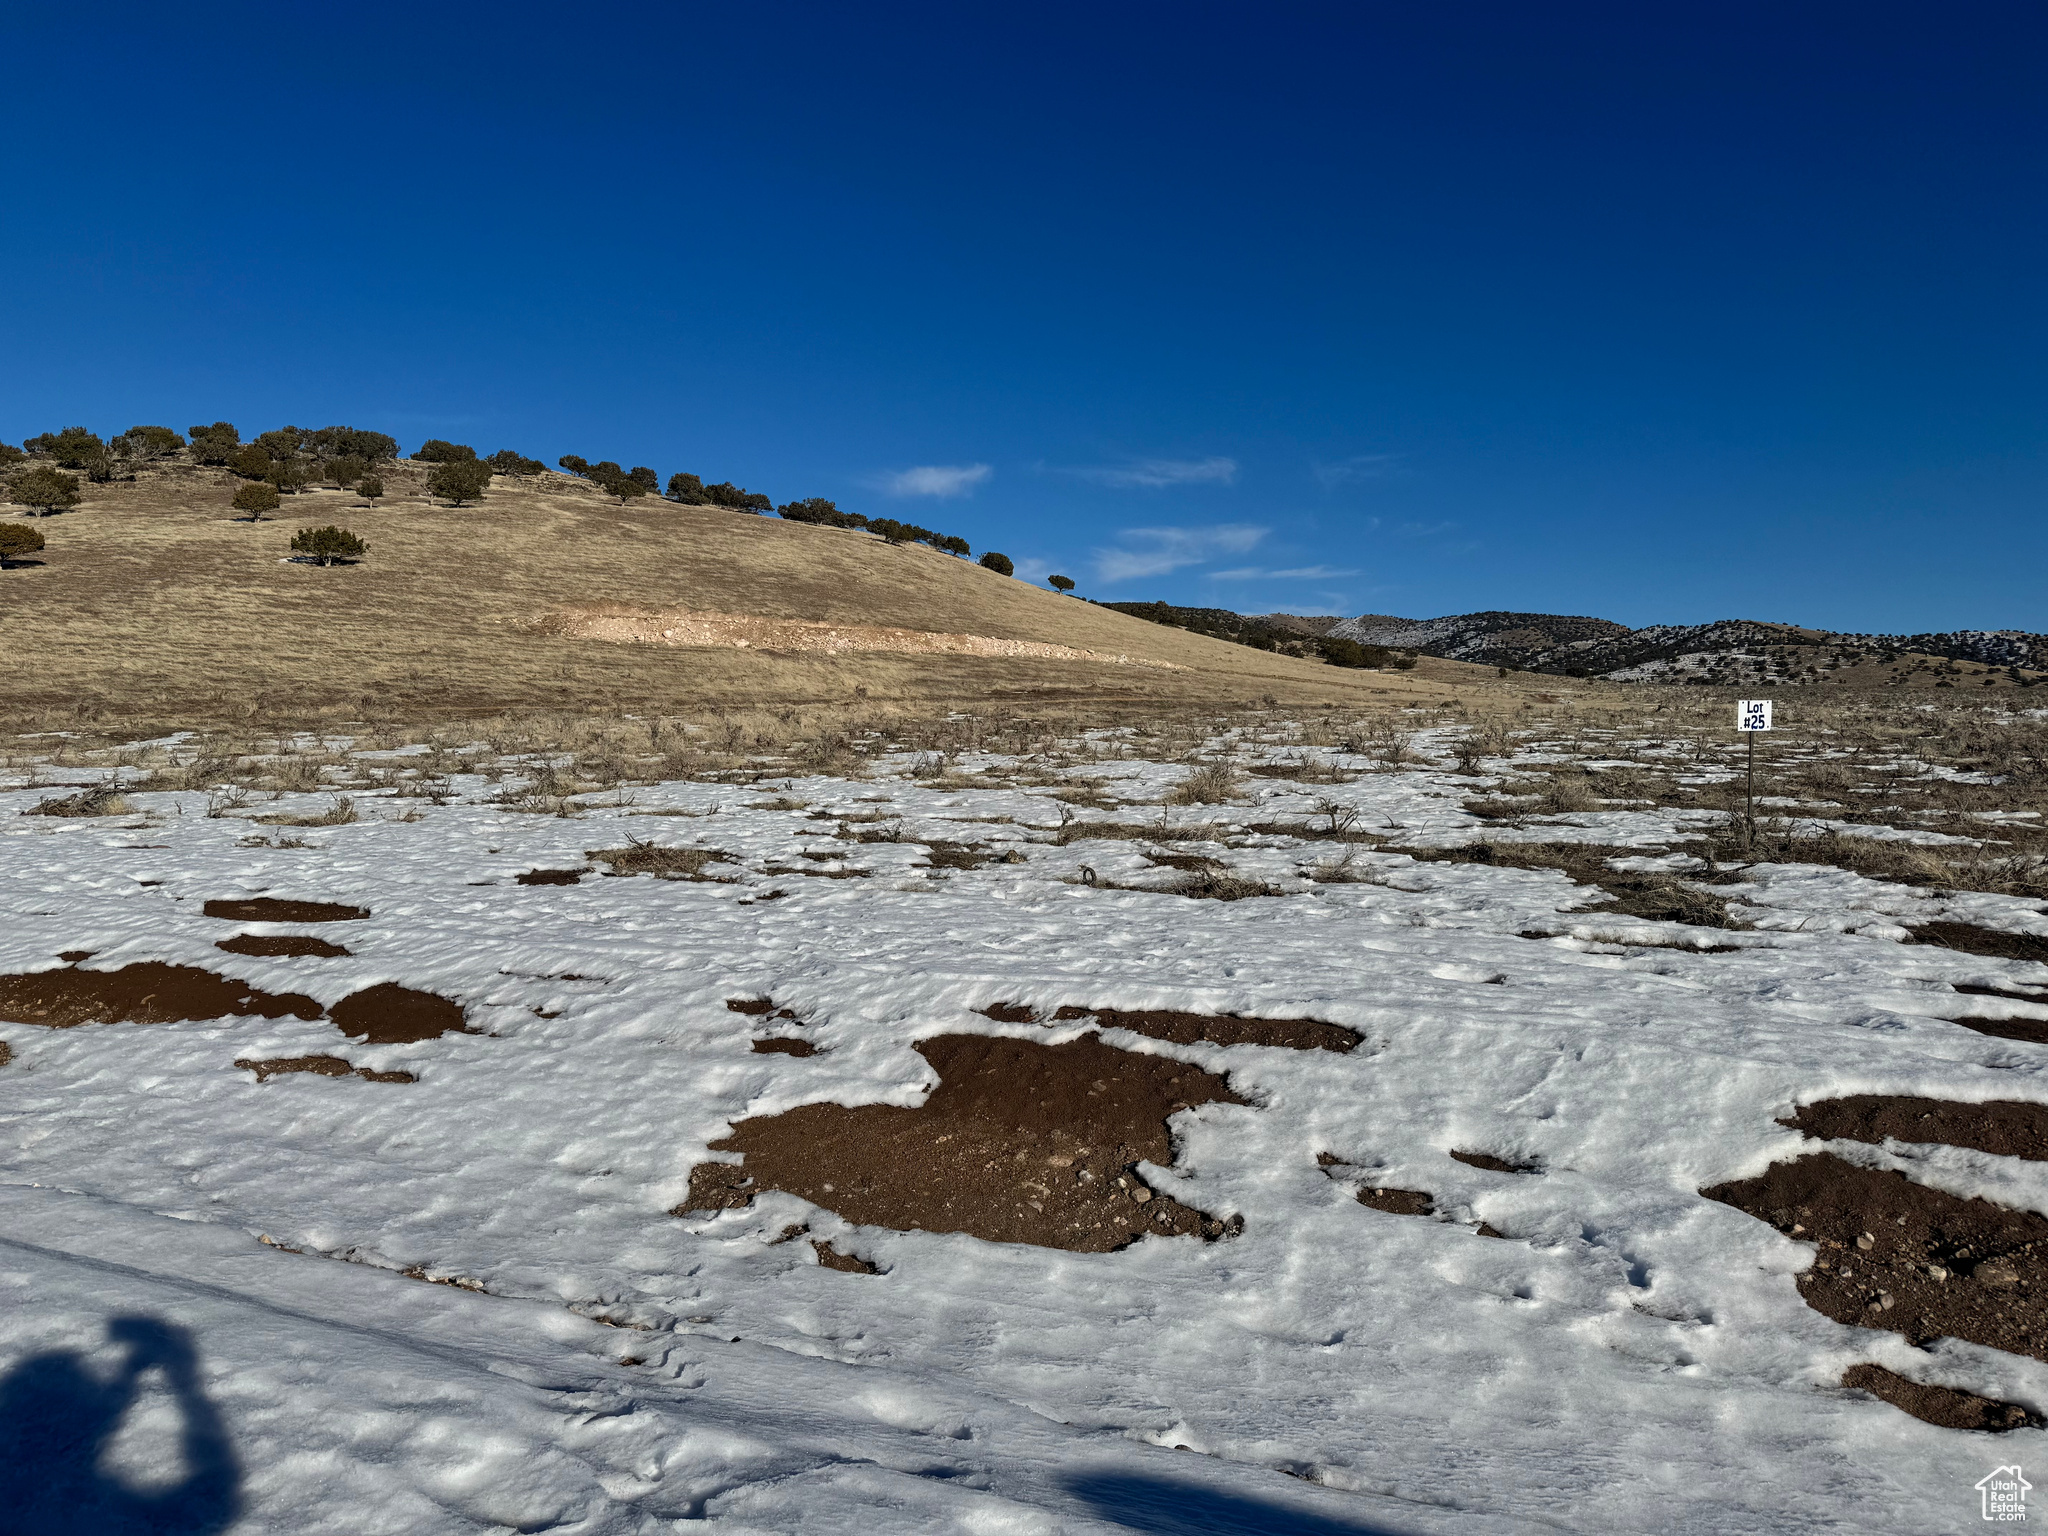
[1753, 715]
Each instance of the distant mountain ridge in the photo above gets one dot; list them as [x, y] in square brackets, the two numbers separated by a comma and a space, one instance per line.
[1726, 651]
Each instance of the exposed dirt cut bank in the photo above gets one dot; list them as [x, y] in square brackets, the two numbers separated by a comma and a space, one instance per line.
[388, 1014]
[281, 946]
[269, 909]
[804, 636]
[2006, 1127]
[149, 992]
[1890, 1253]
[1018, 1143]
[1948, 1407]
[1184, 1028]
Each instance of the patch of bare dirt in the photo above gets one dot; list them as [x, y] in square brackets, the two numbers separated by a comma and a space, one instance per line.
[149, 992]
[804, 636]
[1947, 1407]
[1393, 1202]
[287, 946]
[551, 877]
[388, 1014]
[1399, 1202]
[1889, 1253]
[6, 1053]
[754, 1006]
[784, 1045]
[1018, 1143]
[322, 1066]
[1492, 1164]
[1184, 1028]
[2003, 1127]
[1973, 940]
[268, 909]
[832, 1258]
[2033, 1031]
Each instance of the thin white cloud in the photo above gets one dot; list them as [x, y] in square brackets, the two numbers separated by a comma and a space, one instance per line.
[936, 479]
[1361, 466]
[1155, 551]
[1297, 573]
[1151, 474]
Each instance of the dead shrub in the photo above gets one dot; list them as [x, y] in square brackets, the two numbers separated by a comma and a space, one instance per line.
[100, 800]
[1210, 784]
[638, 858]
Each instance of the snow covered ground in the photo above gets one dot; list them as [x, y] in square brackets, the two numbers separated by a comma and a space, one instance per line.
[214, 1302]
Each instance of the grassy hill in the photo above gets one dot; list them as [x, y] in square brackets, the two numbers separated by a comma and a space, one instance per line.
[154, 601]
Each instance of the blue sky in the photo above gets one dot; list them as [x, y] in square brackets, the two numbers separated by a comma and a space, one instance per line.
[1657, 313]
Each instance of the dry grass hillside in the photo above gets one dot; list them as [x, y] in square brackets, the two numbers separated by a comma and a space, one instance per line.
[153, 601]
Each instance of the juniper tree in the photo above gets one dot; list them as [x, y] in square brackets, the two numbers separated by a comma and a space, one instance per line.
[1060, 583]
[459, 480]
[369, 488]
[435, 451]
[329, 544]
[73, 448]
[687, 489]
[648, 481]
[16, 541]
[152, 442]
[1002, 565]
[346, 470]
[9, 454]
[216, 444]
[44, 490]
[256, 497]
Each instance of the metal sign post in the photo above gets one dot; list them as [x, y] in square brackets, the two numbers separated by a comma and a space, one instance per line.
[1751, 716]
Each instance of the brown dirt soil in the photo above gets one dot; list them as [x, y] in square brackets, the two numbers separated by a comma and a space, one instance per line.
[2004, 1127]
[782, 1045]
[1492, 1164]
[6, 1053]
[1893, 1254]
[1188, 1028]
[1399, 1202]
[267, 909]
[74, 956]
[1972, 940]
[286, 946]
[1018, 1143]
[756, 1007]
[149, 992]
[323, 1066]
[831, 1258]
[1947, 1407]
[551, 876]
[2033, 1031]
[1393, 1202]
[1978, 989]
[388, 1014]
